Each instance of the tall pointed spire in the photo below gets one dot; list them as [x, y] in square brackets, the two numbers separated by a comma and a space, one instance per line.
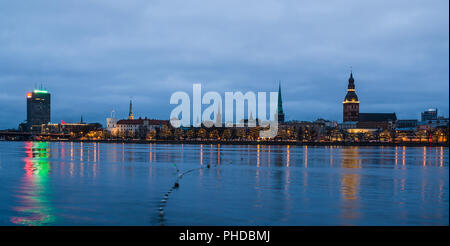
[218, 117]
[130, 114]
[351, 82]
[280, 112]
[351, 95]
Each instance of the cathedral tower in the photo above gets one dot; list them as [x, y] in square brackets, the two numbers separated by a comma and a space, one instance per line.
[351, 103]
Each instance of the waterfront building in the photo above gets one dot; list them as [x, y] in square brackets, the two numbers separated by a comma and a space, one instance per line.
[430, 114]
[38, 110]
[430, 120]
[70, 128]
[347, 125]
[352, 118]
[406, 124]
[111, 122]
[433, 124]
[362, 130]
[351, 103]
[305, 130]
[328, 124]
[377, 120]
[134, 126]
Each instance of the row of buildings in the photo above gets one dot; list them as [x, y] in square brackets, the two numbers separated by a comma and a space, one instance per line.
[132, 126]
[39, 115]
[353, 123]
[355, 126]
[355, 120]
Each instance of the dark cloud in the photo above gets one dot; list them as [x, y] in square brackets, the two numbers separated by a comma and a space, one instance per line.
[94, 55]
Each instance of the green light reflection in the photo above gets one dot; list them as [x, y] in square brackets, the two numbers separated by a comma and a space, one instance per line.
[35, 208]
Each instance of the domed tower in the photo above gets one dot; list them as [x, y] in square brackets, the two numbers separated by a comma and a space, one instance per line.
[351, 103]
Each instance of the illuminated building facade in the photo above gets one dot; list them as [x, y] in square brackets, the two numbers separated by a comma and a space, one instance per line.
[429, 115]
[111, 122]
[351, 103]
[132, 125]
[68, 128]
[352, 118]
[38, 109]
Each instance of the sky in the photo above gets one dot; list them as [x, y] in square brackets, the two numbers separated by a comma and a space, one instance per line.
[93, 56]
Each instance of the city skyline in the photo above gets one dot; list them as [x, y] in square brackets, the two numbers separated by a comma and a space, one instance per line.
[127, 113]
[399, 56]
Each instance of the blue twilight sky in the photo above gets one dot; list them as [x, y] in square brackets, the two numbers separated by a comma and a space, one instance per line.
[94, 55]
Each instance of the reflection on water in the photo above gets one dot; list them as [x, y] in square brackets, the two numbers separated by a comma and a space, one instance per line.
[350, 182]
[122, 184]
[35, 208]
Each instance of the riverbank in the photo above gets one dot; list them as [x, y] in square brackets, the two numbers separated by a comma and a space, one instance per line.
[231, 142]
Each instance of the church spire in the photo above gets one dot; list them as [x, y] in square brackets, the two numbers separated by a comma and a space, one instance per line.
[351, 82]
[351, 94]
[280, 112]
[218, 117]
[130, 114]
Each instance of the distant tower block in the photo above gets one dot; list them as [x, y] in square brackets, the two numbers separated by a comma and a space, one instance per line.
[38, 109]
[351, 103]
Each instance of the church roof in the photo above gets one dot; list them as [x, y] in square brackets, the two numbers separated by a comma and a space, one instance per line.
[131, 122]
[351, 94]
[141, 122]
[377, 117]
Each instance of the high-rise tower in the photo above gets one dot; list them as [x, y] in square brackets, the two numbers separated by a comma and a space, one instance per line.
[130, 114]
[280, 112]
[38, 109]
[351, 103]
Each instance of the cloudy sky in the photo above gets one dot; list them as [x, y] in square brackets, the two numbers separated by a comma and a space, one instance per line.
[94, 55]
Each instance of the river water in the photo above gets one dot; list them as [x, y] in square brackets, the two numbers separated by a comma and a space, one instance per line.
[64, 183]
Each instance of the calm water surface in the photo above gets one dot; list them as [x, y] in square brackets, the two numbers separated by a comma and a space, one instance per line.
[123, 184]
